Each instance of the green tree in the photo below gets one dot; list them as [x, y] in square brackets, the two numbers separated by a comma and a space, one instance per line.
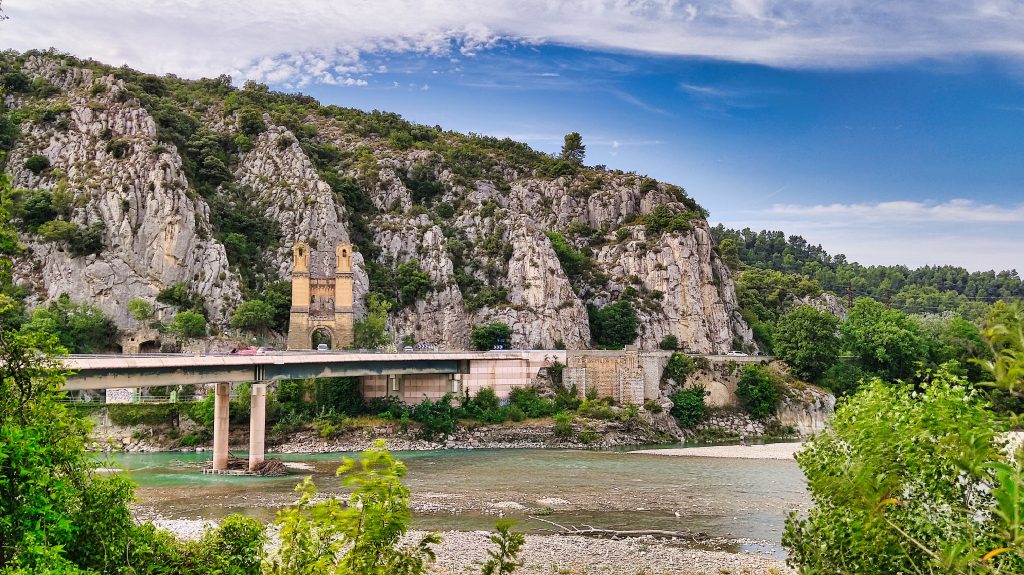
[413, 282]
[188, 324]
[807, 339]
[255, 315]
[328, 536]
[688, 405]
[905, 481]
[573, 149]
[886, 342]
[759, 391]
[615, 325]
[488, 336]
[80, 328]
[140, 309]
[371, 331]
[669, 343]
[504, 560]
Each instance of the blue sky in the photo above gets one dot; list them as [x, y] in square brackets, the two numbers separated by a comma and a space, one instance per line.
[891, 132]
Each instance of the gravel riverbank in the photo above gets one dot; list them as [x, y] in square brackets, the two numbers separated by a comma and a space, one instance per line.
[463, 552]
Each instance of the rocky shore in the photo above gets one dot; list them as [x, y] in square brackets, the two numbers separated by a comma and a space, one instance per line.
[463, 552]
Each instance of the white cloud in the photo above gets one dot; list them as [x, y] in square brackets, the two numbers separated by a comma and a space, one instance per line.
[956, 232]
[297, 41]
[956, 210]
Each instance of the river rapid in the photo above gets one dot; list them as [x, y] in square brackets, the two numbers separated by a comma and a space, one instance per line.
[741, 504]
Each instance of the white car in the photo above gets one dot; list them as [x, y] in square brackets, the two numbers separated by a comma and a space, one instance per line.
[737, 353]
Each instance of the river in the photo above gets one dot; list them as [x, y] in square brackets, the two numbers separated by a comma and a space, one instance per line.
[742, 501]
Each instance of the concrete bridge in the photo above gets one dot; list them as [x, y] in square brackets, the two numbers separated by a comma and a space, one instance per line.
[628, 376]
[410, 377]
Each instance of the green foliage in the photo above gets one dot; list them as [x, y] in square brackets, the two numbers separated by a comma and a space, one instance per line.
[504, 560]
[80, 241]
[486, 407]
[615, 325]
[250, 122]
[766, 295]
[436, 417]
[140, 309]
[663, 220]
[574, 262]
[256, 316]
[563, 424]
[125, 414]
[80, 328]
[188, 324]
[843, 378]
[678, 368]
[118, 148]
[669, 343]
[759, 391]
[247, 234]
[488, 336]
[926, 289]
[423, 185]
[688, 405]
[413, 282]
[529, 401]
[573, 149]
[338, 395]
[907, 481]
[886, 342]
[36, 164]
[596, 408]
[807, 339]
[328, 536]
[182, 296]
[371, 331]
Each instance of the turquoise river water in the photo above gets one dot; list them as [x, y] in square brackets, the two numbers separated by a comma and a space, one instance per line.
[740, 499]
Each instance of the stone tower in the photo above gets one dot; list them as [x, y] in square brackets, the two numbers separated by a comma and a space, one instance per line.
[321, 305]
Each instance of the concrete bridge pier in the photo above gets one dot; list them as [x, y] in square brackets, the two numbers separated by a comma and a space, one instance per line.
[221, 418]
[257, 424]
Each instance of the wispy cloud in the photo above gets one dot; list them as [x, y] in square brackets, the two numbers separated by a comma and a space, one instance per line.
[291, 41]
[957, 232]
[956, 210]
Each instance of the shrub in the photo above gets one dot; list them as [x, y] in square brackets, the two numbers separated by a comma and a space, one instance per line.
[516, 413]
[669, 343]
[486, 407]
[436, 417]
[530, 403]
[596, 409]
[489, 336]
[189, 324]
[615, 325]
[678, 368]
[909, 481]
[125, 414]
[118, 148]
[652, 406]
[36, 164]
[563, 424]
[759, 391]
[688, 405]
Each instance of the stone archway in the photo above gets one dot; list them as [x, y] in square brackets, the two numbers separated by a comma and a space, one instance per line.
[322, 335]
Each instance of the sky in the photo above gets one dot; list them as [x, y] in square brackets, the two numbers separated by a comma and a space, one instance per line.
[892, 132]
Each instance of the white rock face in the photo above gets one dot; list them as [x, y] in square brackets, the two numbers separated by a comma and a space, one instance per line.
[156, 232]
[483, 237]
[697, 301]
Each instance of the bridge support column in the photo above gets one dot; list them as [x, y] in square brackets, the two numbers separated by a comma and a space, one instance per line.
[221, 417]
[257, 424]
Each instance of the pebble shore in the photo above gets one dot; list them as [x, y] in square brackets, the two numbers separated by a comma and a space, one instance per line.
[463, 553]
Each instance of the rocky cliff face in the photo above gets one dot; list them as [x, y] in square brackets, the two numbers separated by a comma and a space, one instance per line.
[503, 233]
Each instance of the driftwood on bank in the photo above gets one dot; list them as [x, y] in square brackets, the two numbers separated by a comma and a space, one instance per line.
[591, 531]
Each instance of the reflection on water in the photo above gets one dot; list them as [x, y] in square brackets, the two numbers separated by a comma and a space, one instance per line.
[468, 489]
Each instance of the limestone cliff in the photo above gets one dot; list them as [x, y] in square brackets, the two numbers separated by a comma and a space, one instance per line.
[503, 233]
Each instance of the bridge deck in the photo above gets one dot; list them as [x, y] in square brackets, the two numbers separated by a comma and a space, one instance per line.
[109, 371]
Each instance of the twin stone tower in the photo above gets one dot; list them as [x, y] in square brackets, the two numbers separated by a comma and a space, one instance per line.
[321, 300]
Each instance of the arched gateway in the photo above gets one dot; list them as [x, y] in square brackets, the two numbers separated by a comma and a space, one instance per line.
[321, 304]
